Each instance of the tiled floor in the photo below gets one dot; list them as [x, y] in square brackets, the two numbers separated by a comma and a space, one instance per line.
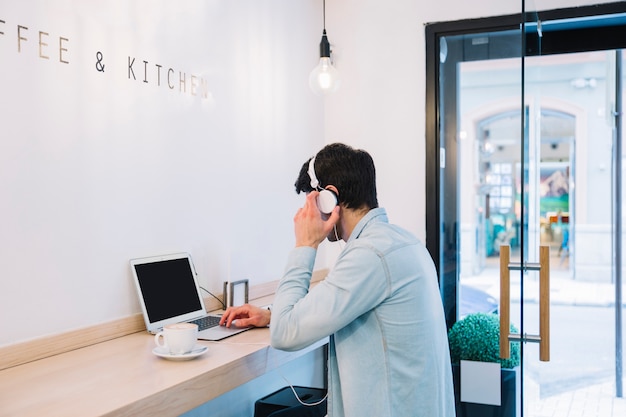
[592, 401]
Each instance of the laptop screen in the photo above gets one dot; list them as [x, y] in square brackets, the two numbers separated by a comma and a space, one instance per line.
[167, 289]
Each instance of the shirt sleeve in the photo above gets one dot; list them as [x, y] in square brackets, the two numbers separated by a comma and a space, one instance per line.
[357, 284]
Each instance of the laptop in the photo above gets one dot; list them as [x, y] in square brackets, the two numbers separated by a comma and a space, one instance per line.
[169, 293]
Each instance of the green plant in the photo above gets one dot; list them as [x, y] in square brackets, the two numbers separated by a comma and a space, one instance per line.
[476, 337]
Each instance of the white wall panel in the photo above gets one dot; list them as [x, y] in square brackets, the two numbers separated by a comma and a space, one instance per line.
[97, 167]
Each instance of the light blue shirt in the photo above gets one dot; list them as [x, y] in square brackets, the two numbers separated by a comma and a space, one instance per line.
[381, 306]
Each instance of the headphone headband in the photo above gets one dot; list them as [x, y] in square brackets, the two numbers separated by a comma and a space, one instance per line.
[314, 181]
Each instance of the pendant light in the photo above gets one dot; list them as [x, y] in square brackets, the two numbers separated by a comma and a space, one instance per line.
[324, 79]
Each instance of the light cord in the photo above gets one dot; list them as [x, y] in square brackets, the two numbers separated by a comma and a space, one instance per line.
[214, 296]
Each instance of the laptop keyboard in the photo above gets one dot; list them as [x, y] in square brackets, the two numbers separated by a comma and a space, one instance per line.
[206, 322]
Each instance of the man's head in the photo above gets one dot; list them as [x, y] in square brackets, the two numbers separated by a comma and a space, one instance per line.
[348, 171]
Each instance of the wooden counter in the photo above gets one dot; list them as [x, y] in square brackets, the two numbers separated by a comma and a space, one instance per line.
[122, 377]
[110, 370]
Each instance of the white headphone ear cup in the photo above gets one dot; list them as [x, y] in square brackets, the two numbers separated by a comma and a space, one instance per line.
[326, 201]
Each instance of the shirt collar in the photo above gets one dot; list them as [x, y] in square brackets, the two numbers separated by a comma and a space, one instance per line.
[373, 216]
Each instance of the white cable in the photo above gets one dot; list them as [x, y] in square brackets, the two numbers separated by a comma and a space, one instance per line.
[294, 390]
[296, 394]
[298, 398]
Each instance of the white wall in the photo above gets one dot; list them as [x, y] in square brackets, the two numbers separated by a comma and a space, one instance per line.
[99, 167]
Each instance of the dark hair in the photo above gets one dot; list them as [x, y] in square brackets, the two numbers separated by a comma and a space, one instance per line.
[350, 170]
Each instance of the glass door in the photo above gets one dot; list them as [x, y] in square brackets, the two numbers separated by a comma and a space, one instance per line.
[528, 133]
[569, 192]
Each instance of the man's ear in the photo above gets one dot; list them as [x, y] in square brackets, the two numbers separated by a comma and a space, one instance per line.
[333, 189]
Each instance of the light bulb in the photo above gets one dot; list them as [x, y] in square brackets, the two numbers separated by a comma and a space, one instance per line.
[324, 78]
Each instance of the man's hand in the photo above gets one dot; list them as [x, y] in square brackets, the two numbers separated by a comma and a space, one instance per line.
[246, 316]
[311, 226]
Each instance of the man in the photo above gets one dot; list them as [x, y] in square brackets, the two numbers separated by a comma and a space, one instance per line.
[380, 304]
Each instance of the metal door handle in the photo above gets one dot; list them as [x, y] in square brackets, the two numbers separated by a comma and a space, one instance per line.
[544, 302]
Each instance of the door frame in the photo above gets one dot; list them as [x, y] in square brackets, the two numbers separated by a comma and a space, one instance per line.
[561, 31]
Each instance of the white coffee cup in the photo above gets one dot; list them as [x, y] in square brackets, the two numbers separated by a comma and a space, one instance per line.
[178, 339]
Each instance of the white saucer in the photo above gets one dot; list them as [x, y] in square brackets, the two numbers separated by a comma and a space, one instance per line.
[195, 352]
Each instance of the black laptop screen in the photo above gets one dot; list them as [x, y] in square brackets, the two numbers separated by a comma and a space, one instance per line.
[168, 288]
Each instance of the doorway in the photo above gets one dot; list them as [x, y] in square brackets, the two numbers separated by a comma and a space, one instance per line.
[523, 125]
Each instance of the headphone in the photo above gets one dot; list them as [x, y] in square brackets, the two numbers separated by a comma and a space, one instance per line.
[327, 199]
